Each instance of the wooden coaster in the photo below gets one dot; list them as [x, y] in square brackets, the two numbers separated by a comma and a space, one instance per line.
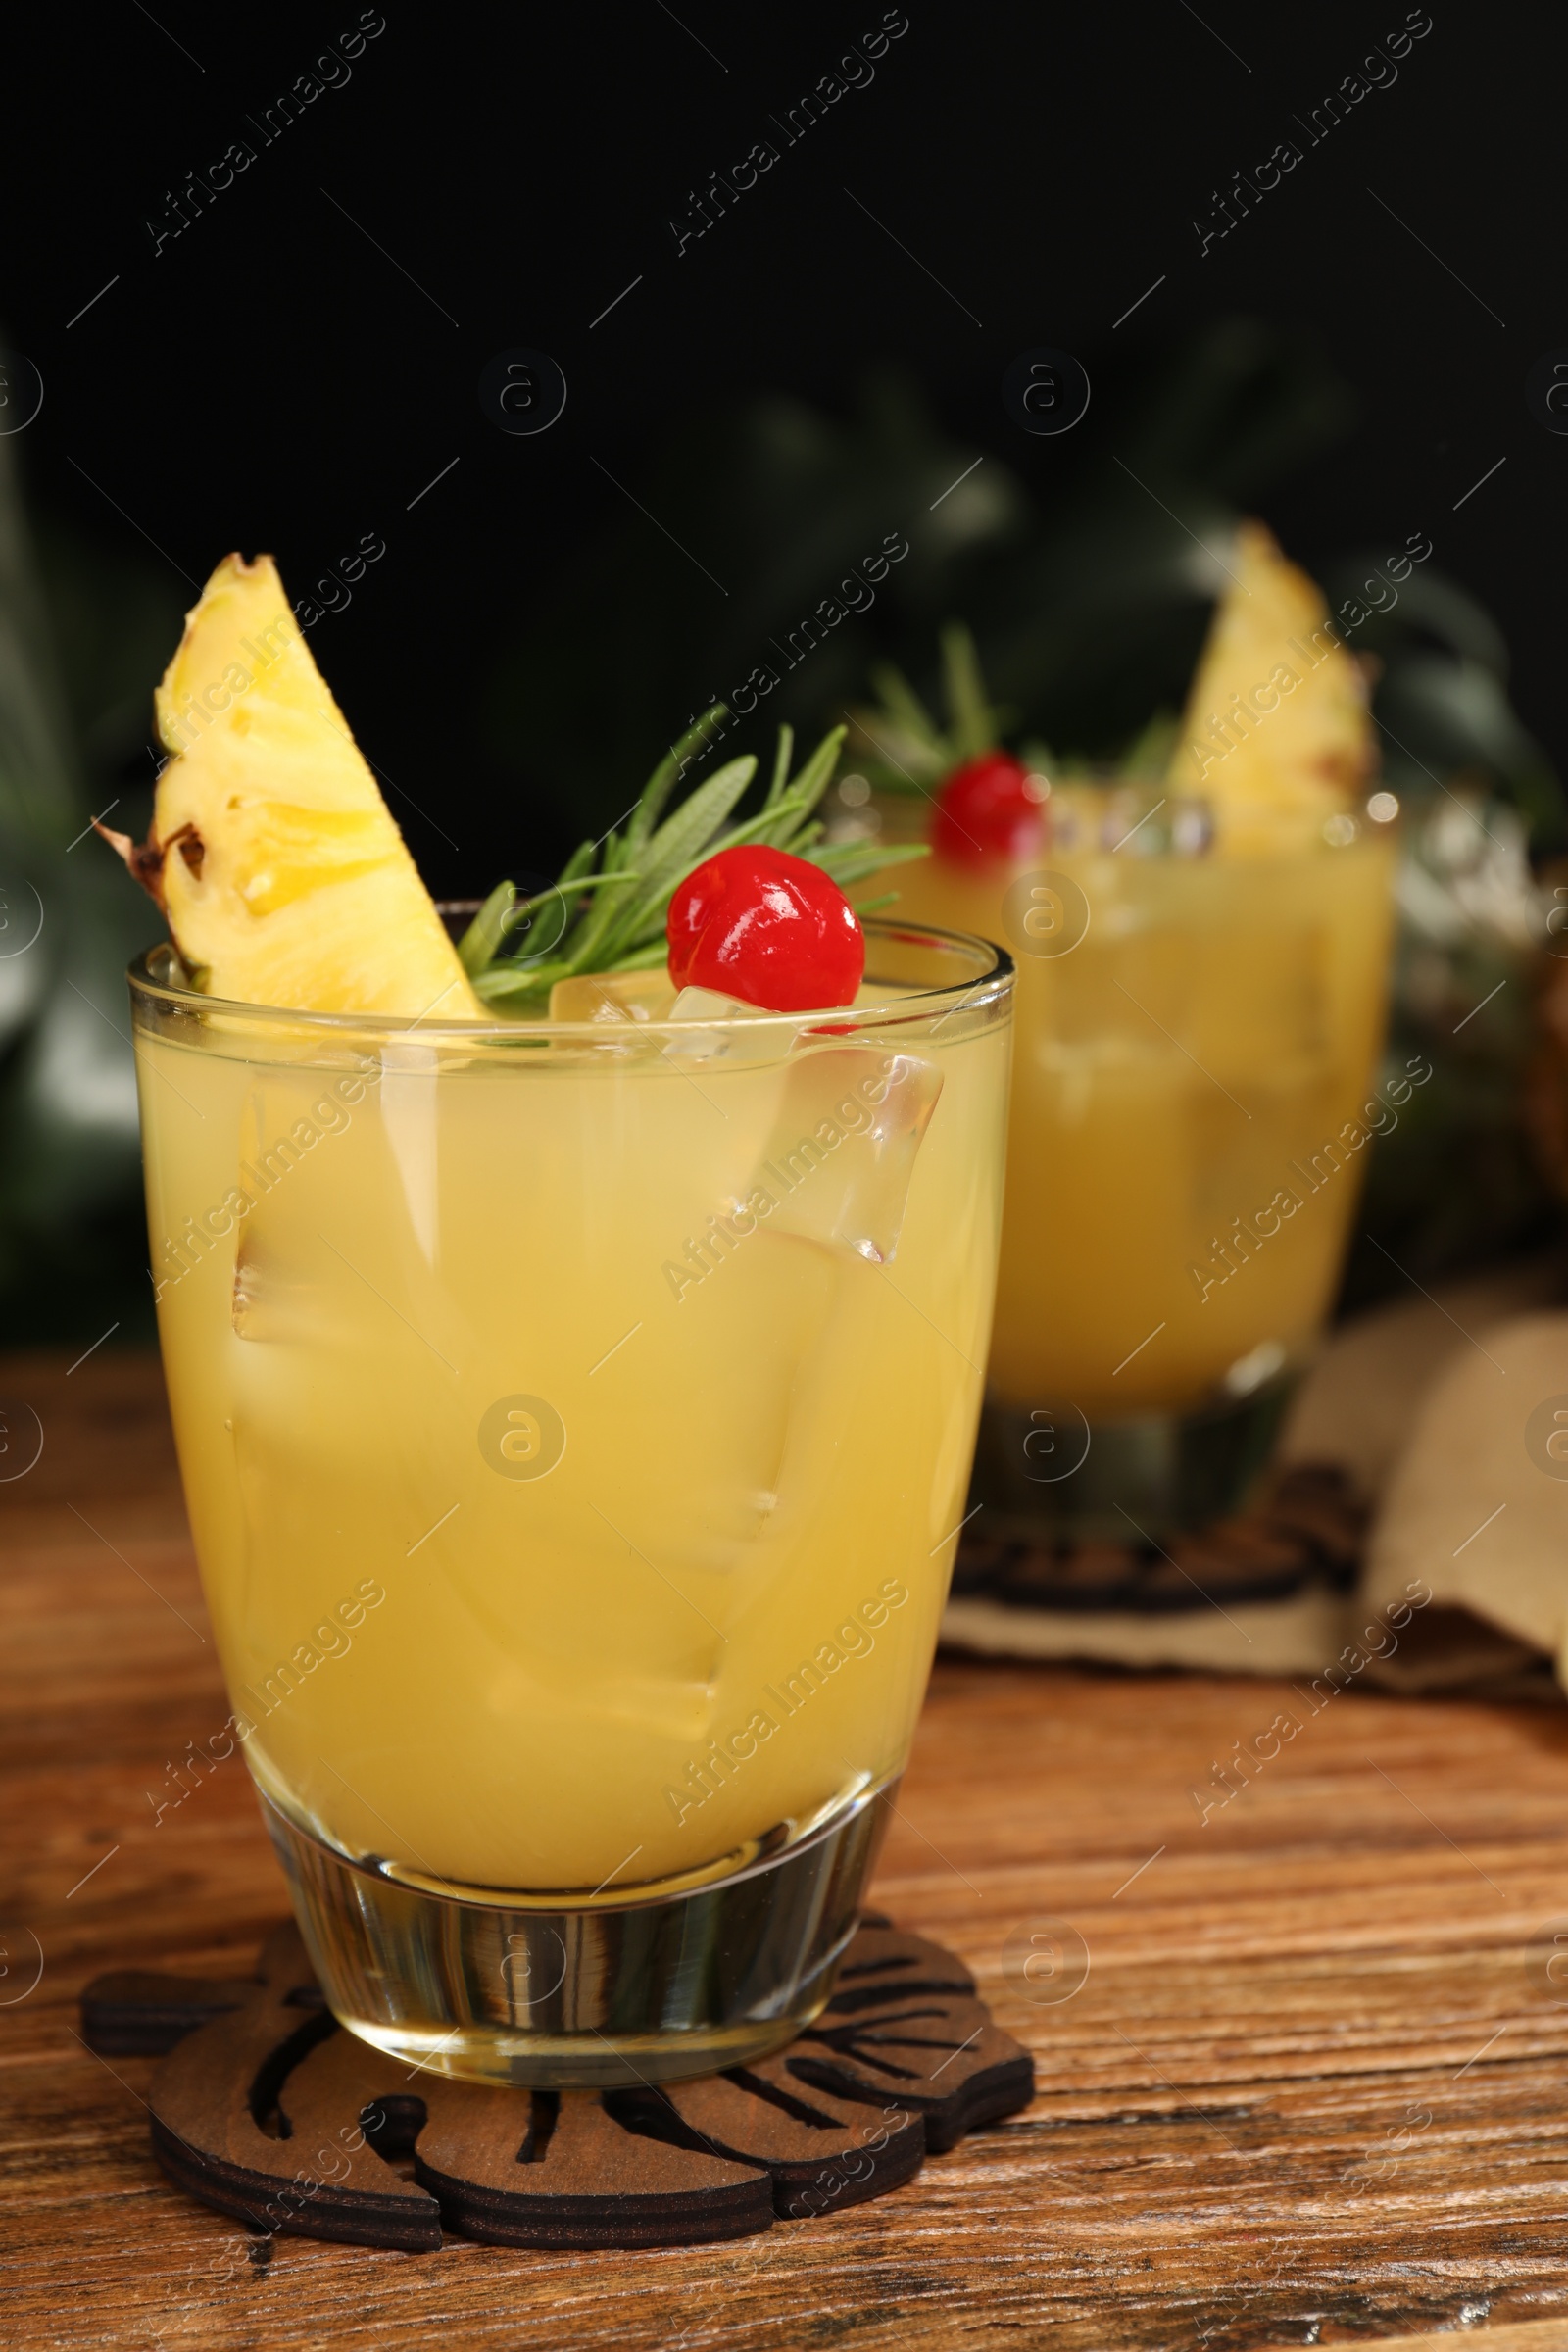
[265, 2108]
[1308, 1530]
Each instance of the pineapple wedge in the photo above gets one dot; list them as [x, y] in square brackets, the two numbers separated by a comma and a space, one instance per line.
[1276, 734]
[284, 879]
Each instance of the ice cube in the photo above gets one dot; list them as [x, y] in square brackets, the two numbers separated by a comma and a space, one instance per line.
[612, 996]
[702, 1476]
[409, 1078]
[838, 1166]
[732, 1037]
[711, 1004]
[272, 1297]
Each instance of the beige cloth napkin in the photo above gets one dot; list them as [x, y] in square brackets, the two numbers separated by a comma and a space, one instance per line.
[1440, 1409]
[1477, 1499]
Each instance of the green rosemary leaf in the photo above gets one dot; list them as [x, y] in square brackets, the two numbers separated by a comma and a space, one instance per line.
[667, 860]
[772, 826]
[569, 886]
[817, 774]
[894, 780]
[607, 910]
[974, 726]
[897, 762]
[480, 942]
[506, 983]
[622, 925]
[646, 958]
[640, 927]
[1148, 754]
[660, 785]
[849, 862]
[901, 704]
[781, 764]
[682, 838]
[561, 947]
[778, 827]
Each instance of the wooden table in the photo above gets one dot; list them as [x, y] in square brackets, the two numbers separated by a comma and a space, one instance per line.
[1314, 2090]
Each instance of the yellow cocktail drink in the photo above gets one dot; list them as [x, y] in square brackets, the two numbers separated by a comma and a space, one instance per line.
[574, 1347]
[1196, 1036]
[1202, 946]
[575, 1418]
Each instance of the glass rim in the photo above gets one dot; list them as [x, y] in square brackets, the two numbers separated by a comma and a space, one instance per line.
[989, 986]
[1298, 832]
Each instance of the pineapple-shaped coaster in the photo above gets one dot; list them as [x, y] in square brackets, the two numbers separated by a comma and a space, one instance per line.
[266, 2109]
[1305, 1535]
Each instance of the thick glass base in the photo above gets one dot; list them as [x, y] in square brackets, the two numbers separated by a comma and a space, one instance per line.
[1051, 1476]
[558, 1996]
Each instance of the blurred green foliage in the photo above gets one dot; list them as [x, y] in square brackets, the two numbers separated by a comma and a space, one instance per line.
[80, 635]
[1088, 620]
[1088, 614]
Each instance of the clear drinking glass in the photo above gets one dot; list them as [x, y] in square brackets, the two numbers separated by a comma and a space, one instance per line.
[1198, 1026]
[576, 1419]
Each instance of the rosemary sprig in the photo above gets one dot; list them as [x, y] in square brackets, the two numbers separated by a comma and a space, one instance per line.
[902, 747]
[908, 750]
[608, 909]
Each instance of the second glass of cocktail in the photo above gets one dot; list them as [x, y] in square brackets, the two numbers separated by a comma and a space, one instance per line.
[1203, 958]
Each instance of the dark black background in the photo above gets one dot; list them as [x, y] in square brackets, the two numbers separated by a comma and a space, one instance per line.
[273, 379]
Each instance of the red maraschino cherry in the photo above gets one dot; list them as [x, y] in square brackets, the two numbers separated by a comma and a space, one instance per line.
[990, 809]
[767, 928]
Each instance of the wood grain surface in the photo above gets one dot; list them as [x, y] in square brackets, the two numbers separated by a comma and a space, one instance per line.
[1313, 2088]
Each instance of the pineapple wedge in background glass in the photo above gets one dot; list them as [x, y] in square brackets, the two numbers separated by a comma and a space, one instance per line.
[1275, 736]
[1203, 958]
[574, 1414]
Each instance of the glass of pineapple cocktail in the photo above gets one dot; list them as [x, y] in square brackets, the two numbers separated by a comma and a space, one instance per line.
[1203, 964]
[1195, 1041]
[576, 1416]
